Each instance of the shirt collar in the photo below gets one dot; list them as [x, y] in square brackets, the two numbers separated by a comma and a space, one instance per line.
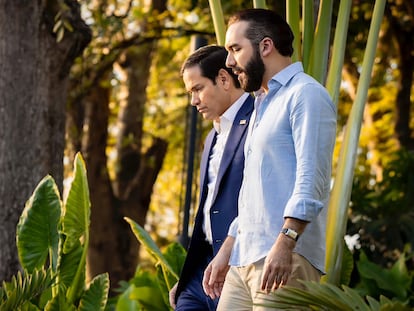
[281, 78]
[227, 118]
[284, 76]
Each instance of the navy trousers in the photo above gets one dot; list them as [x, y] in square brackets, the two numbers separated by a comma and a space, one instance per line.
[193, 297]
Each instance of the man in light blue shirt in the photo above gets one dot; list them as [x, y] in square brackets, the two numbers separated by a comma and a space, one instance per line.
[279, 234]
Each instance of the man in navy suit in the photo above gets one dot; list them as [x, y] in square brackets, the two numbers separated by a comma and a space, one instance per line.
[216, 93]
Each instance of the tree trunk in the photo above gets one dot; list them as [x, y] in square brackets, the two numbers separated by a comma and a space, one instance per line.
[33, 82]
[113, 248]
[104, 218]
[400, 16]
[109, 232]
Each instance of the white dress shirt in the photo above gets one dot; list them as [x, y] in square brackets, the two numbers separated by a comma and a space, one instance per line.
[222, 127]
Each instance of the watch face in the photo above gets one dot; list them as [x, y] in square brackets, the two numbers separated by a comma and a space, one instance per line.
[290, 233]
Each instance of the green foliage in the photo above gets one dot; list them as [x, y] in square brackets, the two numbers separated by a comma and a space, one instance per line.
[62, 23]
[382, 212]
[52, 242]
[148, 290]
[145, 239]
[143, 293]
[35, 241]
[94, 298]
[24, 288]
[330, 297]
[375, 280]
[347, 266]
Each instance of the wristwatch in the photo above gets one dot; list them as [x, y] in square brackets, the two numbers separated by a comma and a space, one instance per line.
[290, 233]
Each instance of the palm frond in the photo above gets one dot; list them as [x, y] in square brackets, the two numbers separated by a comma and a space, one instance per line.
[23, 288]
[326, 296]
[145, 239]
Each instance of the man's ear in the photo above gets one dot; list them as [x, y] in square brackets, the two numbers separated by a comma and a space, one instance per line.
[266, 46]
[223, 78]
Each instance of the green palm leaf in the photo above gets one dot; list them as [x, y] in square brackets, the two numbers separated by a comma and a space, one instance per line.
[315, 297]
[68, 266]
[23, 288]
[96, 296]
[327, 296]
[77, 208]
[37, 233]
[145, 239]
[59, 303]
[76, 224]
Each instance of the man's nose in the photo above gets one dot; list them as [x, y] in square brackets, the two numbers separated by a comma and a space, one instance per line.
[194, 99]
[230, 60]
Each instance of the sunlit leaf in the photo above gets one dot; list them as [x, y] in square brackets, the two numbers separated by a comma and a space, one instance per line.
[145, 239]
[96, 296]
[38, 228]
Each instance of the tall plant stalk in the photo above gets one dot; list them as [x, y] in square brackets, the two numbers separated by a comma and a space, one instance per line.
[293, 19]
[320, 49]
[218, 21]
[341, 192]
[308, 30]
[338, 50]
[259, 4]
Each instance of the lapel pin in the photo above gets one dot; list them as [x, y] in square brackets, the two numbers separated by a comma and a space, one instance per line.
[242, 122]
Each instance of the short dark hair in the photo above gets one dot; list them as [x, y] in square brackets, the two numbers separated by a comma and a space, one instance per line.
[266, 23]
[210, 59]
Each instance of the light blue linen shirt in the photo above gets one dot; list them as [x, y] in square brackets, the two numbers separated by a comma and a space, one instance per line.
[288, 160]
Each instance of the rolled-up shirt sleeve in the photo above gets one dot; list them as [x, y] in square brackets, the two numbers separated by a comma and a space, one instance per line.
[313, 130]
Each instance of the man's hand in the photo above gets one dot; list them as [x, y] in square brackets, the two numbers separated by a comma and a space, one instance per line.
[216, 271]
[214, 276]
[278, 264]
[171, 295]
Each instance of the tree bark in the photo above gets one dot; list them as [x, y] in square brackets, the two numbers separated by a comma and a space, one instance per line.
[113, 247]
[109, 232]
[33, 87]
[403, 29]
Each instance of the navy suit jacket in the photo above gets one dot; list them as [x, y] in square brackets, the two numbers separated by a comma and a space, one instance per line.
[226, 193]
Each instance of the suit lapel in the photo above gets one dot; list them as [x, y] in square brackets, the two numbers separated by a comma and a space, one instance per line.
[208, 145]
[239, 127]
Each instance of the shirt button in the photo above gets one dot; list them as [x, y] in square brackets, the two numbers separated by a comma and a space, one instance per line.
[218, 241]
[239, 231]
[216, 212]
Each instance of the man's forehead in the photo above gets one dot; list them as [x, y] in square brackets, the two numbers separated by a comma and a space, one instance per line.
[235, 32]
[192, 77]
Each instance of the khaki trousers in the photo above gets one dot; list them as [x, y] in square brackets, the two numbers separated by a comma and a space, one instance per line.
[242, 286]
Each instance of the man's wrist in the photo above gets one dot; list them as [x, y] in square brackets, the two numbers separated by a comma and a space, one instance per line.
[290, 233]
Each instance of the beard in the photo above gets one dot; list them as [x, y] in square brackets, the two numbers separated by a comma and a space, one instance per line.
[252, 75]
